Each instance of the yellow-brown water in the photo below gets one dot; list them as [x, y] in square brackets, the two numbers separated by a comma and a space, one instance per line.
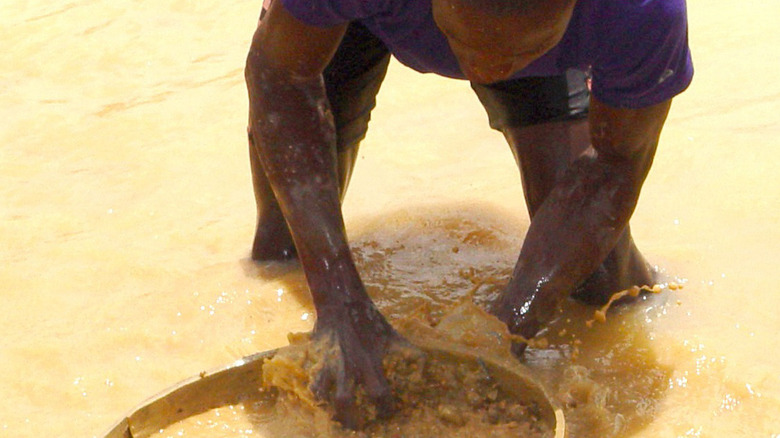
[126, 216]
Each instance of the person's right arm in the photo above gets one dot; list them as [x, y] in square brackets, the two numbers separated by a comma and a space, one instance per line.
[294, 139]
[284, 73]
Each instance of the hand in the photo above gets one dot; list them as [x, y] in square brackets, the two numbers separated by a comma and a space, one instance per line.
[516, 314]
[357, 338]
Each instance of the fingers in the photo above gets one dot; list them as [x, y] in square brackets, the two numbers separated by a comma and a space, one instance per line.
[385, 403]
[333, 385]
[323, 383]
[378, 390]
[518, 348]
[337, 383]
[354, 360]
[344, 399]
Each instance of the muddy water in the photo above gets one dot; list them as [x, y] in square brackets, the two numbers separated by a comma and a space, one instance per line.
[126, 216]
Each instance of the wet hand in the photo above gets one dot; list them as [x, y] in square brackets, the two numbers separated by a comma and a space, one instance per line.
[357, 338]
[515, 313]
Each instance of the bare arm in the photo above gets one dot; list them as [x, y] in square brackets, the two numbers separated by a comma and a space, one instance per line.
[291, 122]
[294, 138]
[580, 221]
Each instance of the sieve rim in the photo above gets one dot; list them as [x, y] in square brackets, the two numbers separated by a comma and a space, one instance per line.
[239, 381]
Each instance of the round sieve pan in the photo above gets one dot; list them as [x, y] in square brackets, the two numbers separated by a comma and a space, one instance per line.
[240, 380]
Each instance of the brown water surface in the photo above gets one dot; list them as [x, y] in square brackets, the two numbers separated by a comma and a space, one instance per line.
[126, 215]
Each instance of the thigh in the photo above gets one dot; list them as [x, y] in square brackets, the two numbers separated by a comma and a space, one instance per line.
[352, 81]
[534, 100]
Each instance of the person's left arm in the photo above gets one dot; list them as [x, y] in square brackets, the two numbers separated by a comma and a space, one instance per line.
[582, 218]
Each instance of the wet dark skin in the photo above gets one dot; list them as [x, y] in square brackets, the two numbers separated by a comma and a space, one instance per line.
[581, 181]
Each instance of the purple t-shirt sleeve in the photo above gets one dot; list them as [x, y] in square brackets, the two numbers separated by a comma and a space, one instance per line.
[324, 13]
[645, 60]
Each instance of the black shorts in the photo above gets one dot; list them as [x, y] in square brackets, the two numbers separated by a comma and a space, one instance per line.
[354, 76]
[534, 100]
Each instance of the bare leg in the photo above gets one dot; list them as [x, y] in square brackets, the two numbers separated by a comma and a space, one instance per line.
[272, 237]
[543, 152]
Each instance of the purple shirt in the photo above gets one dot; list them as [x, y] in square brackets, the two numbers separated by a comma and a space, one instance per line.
[636, 50]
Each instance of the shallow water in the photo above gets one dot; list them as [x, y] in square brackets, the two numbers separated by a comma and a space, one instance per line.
[127, 214]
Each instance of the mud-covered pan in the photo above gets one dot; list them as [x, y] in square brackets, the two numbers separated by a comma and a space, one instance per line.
[241, 380]
[223, 386]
